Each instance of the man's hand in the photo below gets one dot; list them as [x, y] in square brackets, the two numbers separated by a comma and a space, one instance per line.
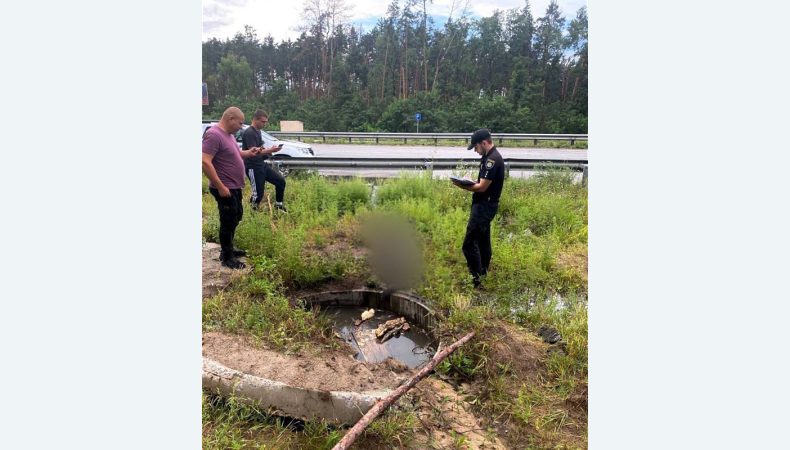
[224, 192]
[267, 151]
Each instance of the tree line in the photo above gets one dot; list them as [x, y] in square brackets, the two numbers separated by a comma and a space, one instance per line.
[510, 72]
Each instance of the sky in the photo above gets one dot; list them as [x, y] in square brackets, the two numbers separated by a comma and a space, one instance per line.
[224, 18]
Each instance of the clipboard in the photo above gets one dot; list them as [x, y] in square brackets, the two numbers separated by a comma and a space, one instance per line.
[462, 181]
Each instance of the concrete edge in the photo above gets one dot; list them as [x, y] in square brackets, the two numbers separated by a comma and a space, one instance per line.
[334, 406]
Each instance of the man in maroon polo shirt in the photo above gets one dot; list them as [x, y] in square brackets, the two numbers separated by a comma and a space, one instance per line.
[224, 167]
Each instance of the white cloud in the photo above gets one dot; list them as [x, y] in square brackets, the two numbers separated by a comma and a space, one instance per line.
[281, 18]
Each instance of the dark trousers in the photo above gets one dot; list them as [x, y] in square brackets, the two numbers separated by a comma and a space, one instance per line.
[258, 176]
[230, 213]
[477, 242]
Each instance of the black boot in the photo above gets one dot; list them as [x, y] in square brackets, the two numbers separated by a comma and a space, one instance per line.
[233, 263]
[229, 260]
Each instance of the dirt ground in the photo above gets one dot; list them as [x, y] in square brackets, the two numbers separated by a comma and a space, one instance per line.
[524, 354]
[448, 414]
[326, 371]
[215, 276]
[444, 414]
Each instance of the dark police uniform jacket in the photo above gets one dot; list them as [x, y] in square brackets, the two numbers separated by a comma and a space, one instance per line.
[492, 167]
[485, 204]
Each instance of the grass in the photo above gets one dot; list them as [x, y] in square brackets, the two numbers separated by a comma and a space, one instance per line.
[229, 423]
[538, 277]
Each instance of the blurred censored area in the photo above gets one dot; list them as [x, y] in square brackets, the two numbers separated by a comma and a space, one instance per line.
[395, 256]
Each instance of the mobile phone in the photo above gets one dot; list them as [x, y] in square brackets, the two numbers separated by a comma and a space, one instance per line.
[280, 145]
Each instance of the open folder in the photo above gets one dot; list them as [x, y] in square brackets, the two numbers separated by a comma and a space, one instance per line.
[463, 181]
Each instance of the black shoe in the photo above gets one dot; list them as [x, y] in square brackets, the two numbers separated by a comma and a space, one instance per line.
[477, 284]
[255, 206]
[235, 253]
[281, 207]
[233, 263]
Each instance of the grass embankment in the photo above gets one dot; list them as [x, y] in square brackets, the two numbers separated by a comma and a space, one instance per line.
[527, 143]
[529, 397]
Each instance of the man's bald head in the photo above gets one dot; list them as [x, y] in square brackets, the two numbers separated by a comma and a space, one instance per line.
[232, 112]
[231, 120]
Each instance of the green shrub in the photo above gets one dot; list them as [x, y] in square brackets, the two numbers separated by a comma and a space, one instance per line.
[351, 195]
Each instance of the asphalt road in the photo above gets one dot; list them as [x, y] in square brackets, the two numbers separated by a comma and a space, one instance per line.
[425, 151]
[438, 174]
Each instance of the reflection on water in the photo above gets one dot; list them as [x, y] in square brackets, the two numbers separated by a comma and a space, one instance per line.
[521, 305]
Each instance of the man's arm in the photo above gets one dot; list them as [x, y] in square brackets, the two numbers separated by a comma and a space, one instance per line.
[211, 173]
[250, 153]
[270, 150]
[493, 168]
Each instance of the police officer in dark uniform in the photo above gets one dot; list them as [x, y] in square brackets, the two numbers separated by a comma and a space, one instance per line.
[485, 202]
[257, 170]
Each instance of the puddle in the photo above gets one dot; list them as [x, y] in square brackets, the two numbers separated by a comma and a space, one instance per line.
[413, 347]
[558, 301]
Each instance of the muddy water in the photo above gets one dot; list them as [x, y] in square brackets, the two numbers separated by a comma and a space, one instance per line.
[413, 348]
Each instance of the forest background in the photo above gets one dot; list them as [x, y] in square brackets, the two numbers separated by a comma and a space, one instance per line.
[511, 72]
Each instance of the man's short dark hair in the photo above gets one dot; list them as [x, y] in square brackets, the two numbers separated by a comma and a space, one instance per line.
[260, 114]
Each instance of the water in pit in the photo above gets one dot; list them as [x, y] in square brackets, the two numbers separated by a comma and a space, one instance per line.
[413, 347]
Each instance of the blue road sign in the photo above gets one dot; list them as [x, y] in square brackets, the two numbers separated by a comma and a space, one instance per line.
[418, 117]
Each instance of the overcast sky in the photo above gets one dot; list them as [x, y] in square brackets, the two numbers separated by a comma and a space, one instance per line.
[224, 18]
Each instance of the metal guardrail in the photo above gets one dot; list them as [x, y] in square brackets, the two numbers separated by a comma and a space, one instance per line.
[572, 138]
[576, 165]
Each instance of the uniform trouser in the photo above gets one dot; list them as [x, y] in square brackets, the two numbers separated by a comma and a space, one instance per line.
[477, 242]
[230, 213]
[258, 176]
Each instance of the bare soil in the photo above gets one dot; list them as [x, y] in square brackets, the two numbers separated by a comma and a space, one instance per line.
[326, 370]
[216, 277]
[443, 412]
[524, 354]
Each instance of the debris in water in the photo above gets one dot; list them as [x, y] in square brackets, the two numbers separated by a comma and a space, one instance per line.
[391, 328]
[369, 348]
[368, 314]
